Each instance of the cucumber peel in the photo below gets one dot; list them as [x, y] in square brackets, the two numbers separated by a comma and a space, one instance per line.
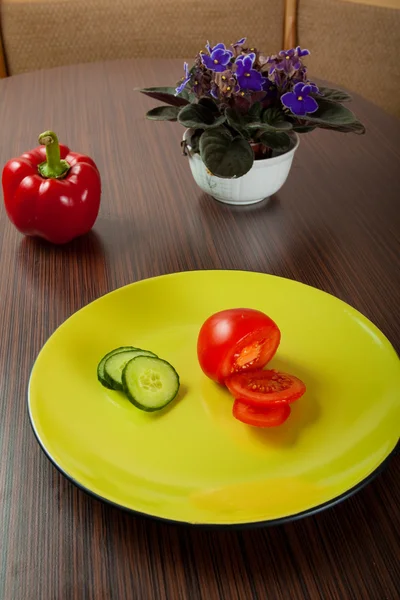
[115, 364]
[101, 376]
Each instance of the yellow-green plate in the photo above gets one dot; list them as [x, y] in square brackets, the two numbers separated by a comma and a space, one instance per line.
[193, 462]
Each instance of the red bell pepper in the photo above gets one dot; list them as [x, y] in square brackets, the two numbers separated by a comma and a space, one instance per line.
[51, 192]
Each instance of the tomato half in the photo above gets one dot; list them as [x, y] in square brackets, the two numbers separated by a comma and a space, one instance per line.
[236, 340]
[261, 417]
[265, 388]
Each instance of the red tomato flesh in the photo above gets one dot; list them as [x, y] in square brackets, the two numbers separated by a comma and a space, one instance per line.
[261, 417]
[236, 340]
[265, 388]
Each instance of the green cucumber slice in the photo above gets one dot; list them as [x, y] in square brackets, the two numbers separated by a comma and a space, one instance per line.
[115, 364]
[150, 383]
[101, 376]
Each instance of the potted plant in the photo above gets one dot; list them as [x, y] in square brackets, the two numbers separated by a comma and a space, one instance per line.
[243, 111]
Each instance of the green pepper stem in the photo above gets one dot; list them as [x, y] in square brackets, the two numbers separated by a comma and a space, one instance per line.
[53, 167]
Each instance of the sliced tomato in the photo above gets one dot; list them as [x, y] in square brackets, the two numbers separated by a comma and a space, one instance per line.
[236, 340]
[261, 417]
[265, 388]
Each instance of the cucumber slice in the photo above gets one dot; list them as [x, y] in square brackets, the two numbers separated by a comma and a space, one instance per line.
[101, 376]
[115, 364]
[150, 383]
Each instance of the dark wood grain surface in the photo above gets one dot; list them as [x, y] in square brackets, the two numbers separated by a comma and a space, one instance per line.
[335, 225]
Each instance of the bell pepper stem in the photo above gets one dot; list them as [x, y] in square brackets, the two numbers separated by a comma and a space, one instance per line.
[54, 167]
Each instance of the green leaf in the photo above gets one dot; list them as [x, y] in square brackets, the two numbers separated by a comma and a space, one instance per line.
[209, 104]
[330, 113]
[303, 128]
[355, 127]
[258, 126]
[163, 113]
[245, 124]
[334, 95]
[224, 155]
[255, 112]
[199, 116]
[276, 119]
[166, 94]
[238, 121]
[277, 140]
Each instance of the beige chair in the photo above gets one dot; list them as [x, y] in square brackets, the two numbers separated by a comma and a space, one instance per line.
[40, 34]
[353, 43]
[3, 70]
[356, 44]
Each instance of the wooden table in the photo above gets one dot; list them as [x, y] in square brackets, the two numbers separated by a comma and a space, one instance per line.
[335, 225]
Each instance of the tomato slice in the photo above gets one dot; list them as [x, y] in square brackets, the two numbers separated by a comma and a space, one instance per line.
[261, 417]
[265, 388]
[235, 340]
[254, 351]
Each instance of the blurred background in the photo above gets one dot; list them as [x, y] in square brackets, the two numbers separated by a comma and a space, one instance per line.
[353, 43]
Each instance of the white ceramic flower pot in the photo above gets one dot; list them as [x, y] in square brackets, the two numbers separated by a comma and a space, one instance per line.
[264, 179]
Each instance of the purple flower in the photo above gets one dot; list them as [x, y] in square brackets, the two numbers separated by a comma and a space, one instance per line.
[218, 59]
[314, 88]
[214, 92]
[248, 78]
[301, 52]
[272, 61]
[300, 76]
[281, 81]
[270, 89]
[185, 79]
[267, 85]
[210, 49]
[299, 101]
[288, 61]
[240, 42]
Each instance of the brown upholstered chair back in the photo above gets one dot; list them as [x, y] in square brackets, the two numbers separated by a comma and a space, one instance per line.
[40, 34]
[356, 44]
